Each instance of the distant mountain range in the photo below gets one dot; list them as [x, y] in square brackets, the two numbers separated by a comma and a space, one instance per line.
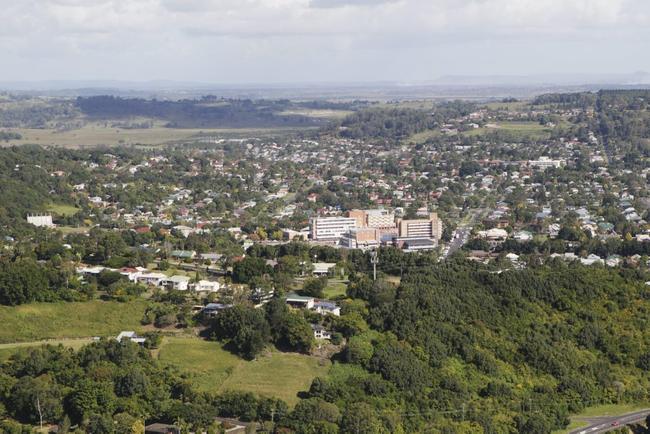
[637, 78]
[451, 86]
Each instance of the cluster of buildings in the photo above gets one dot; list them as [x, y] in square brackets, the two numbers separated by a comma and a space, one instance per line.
[152, 278]
[363, 229]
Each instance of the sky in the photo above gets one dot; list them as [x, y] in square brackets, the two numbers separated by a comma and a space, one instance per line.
[310, 41]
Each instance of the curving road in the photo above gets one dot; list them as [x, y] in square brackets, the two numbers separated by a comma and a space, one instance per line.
[608, 423]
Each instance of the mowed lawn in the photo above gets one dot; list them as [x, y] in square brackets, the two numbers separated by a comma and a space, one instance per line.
[275, 374]
[335, 288]
[98, 133]
[39, 321]
[62, 209]
[518, 129]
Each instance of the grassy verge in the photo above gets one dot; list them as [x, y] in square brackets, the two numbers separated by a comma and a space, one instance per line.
[580, 420]
[276, 374]
[40, 321]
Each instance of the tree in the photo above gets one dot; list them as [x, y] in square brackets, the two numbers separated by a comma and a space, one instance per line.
[248, 268]
[361, 418]
[297, 334]
[32, 398]
[314, 286]
[243, 328]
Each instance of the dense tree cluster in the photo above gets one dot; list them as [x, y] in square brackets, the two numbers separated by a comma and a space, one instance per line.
[209, 112]
[110, 387]
[460, 336]
[248, 331]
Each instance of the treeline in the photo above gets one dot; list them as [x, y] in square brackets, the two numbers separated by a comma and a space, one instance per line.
[220, 113]
[464, 348]
[110, 387]
[396, 123]
[35, 113]
[578, 99]
[623, 121]
[9, 135]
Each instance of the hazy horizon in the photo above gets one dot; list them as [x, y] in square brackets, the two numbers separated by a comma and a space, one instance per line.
[247, 42]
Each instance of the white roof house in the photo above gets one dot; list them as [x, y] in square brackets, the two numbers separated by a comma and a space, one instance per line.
[152, 278]
[179, 283]
[323, 268]
[132, 336]
[207, 286]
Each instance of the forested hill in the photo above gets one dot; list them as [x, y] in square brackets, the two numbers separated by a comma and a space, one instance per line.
[395, 123]
[515, 351]
[208, 112]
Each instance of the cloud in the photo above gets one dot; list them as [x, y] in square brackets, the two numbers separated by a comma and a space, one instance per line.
[315, 40]
[344, 3]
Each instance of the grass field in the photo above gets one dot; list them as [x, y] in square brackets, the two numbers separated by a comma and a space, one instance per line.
[510, 106]
[335, 288]
[39, 321]
[100, 133]
[517, 129]
[62, 209]
[317, 113]
[276, 374]
[423, 136]
[72, 230]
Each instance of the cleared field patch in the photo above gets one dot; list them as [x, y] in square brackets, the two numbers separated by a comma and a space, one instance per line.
[62, 209]
[335, 288]
[317, 113]
[214, 369]
[509, 106]
[513, 129]
[40, 321]
[101, 133]
[423, 136]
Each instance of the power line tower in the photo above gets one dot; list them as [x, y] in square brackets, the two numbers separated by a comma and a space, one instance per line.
[374, 260]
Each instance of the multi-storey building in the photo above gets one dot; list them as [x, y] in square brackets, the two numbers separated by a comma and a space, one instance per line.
[331, 228]
[430, 228]
[373, 218]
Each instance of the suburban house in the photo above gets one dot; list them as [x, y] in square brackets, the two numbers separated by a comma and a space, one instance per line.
[206, 286]
[299, 301]
[320, 332]
[131, 336]
[323, 268]
[179, 283]
[132, 273]
[212, 257]
[154, 279]
[183, 254]
[324, 307]
[212, 309]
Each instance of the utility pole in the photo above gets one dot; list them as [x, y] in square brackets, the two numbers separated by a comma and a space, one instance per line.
[374, 260]
[40, 412]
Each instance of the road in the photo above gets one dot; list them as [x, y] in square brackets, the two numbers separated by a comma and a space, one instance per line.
[461, 234]
[609, 423]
